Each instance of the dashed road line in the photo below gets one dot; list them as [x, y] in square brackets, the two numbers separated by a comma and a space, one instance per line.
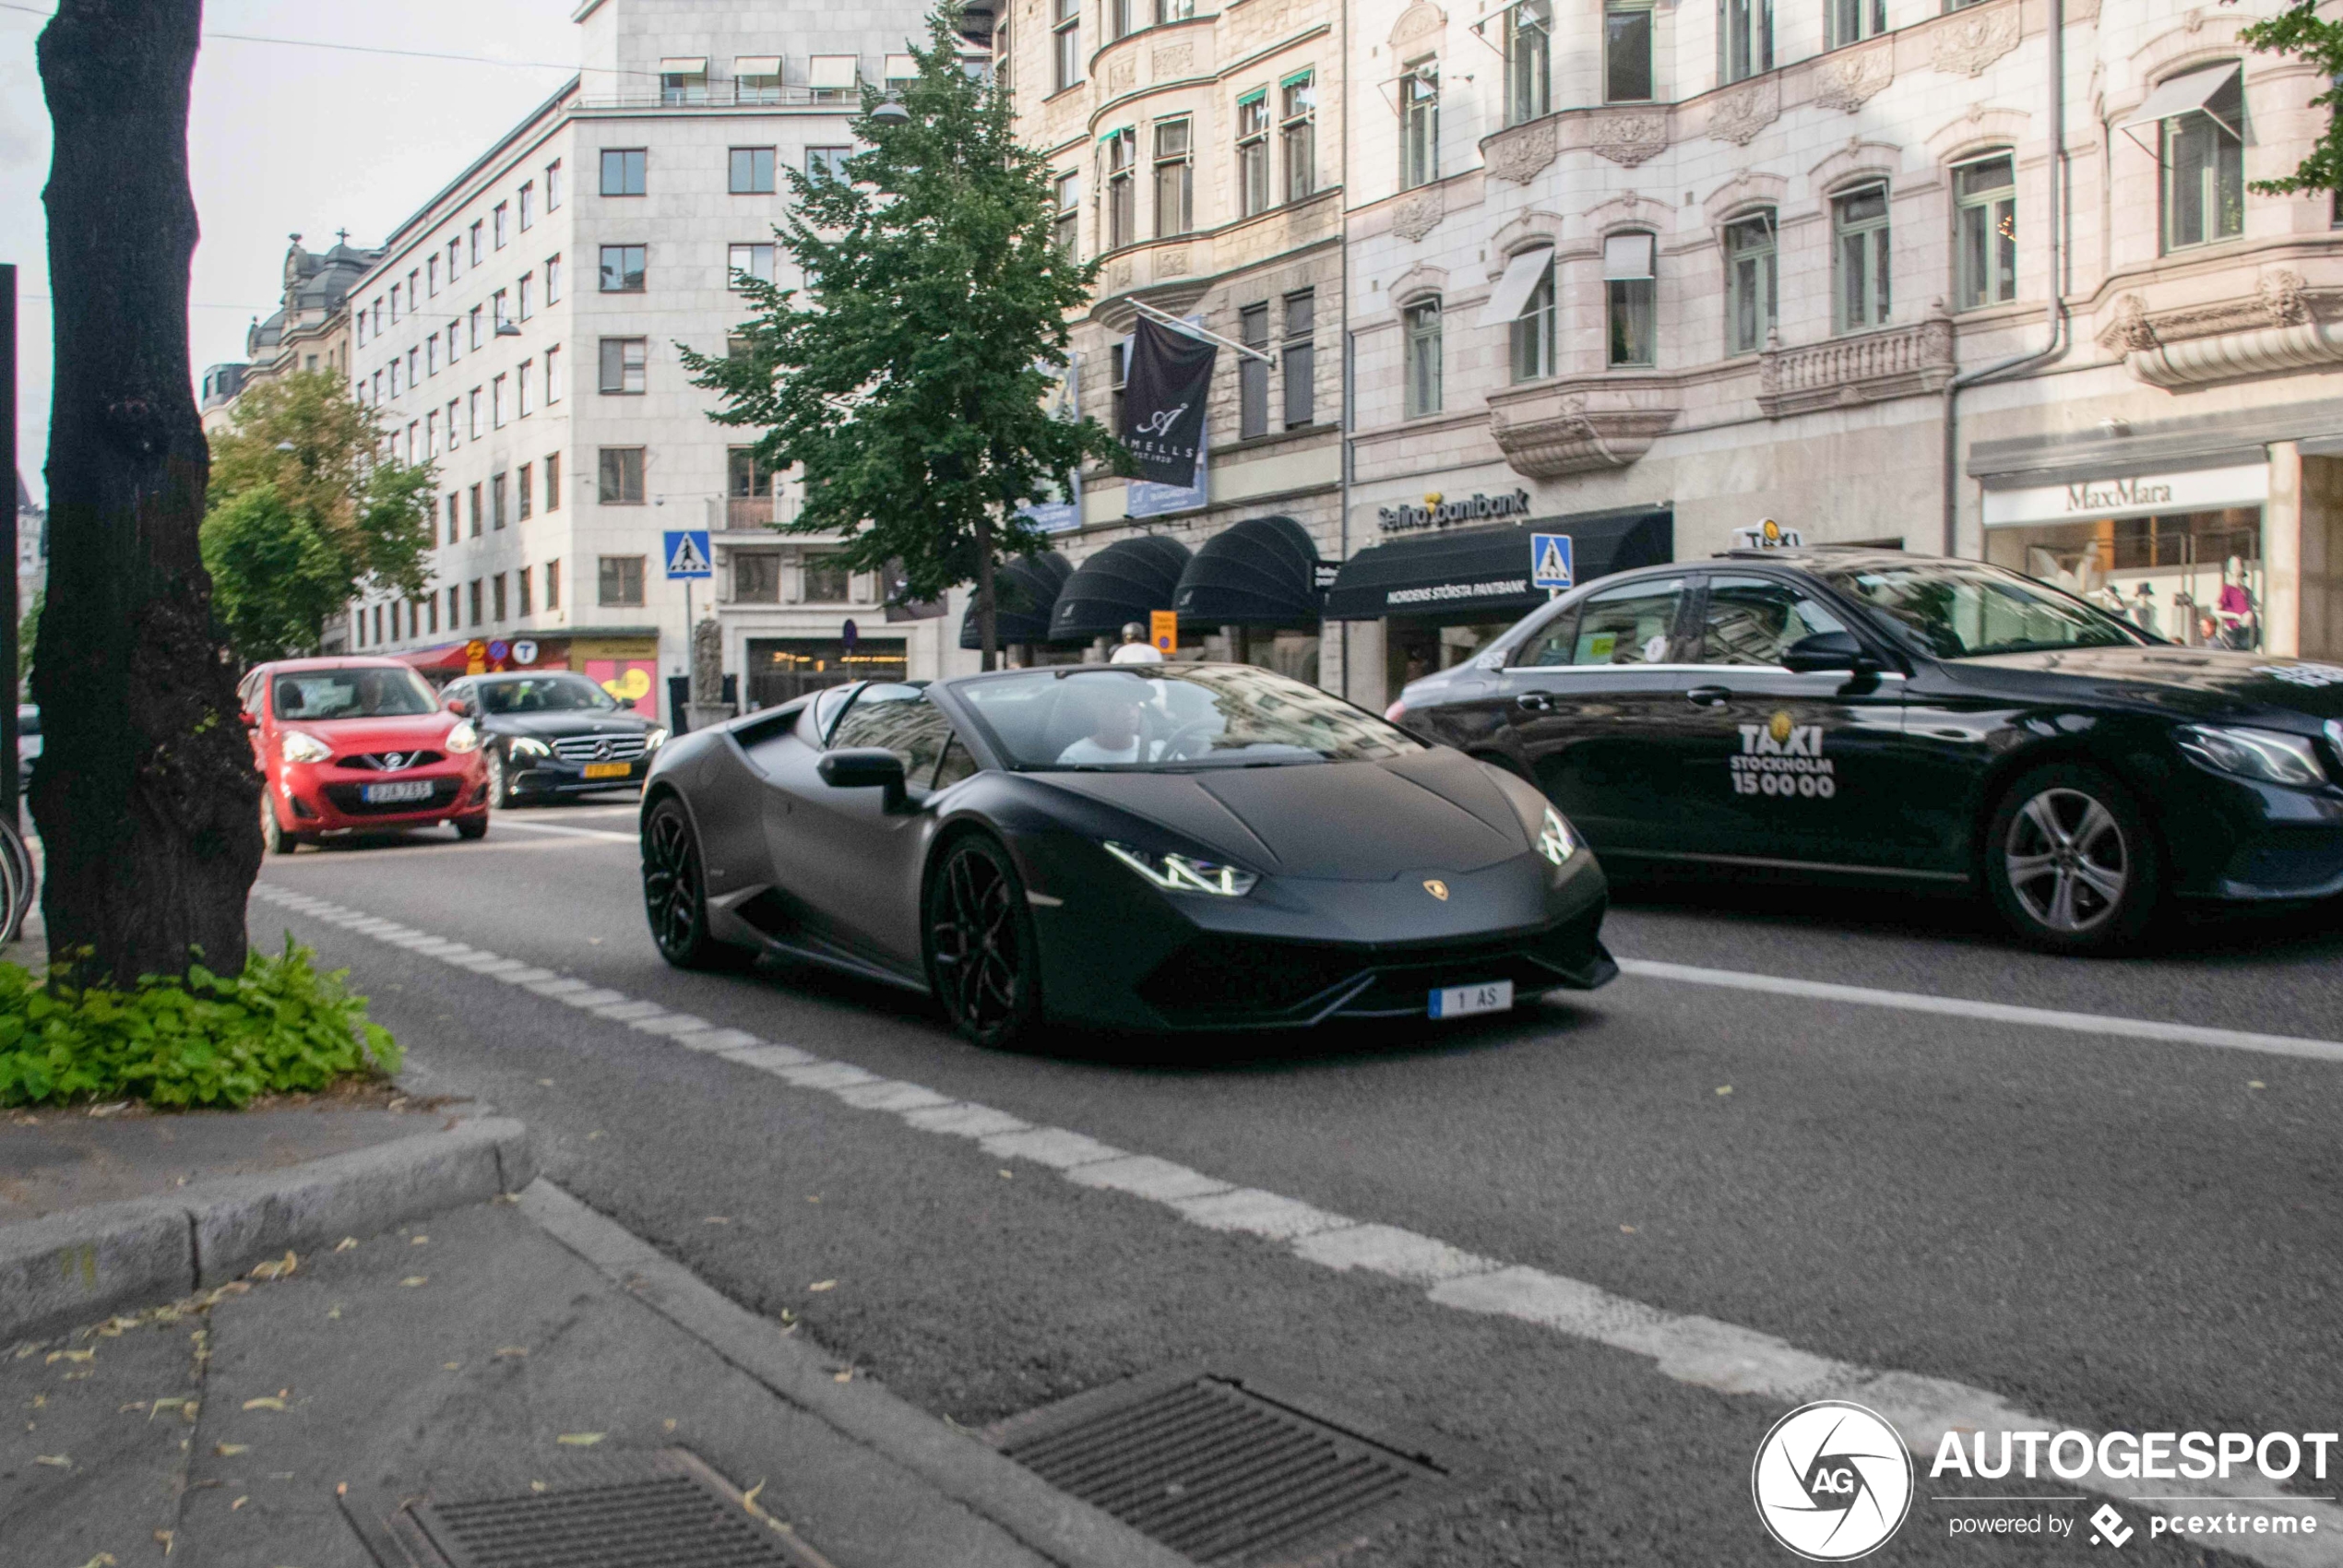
[507, 824]
[1688, 1348]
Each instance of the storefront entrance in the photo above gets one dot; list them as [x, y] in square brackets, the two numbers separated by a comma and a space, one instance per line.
[784, 669]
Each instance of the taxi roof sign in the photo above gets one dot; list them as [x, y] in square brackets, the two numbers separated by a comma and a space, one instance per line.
[1768, 535]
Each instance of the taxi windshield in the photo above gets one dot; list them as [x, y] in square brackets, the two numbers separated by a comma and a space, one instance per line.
[1954, 611]
[546, 693]
[1167, 717]
[362, 691]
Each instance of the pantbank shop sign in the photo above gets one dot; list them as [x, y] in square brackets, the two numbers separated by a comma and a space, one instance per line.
[1439, 512]
[2195, 490]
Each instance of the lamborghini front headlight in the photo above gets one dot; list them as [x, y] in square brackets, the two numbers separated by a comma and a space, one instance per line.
[1184, 873]
[1554, 840]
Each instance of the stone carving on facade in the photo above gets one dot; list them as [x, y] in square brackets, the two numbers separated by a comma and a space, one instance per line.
[2280, 298]
[2129, 331]
[2284, 299]
[1518, 154]
[1418, 22]
[1173, 61]
[1739, 114]
[1629, 139]
[1261, 20]
[1170, 262]
[1118, 277]
[1561, 428]
[1963, 44]
[1121, 76]
[707, 661]
[1851, 77]
[1869, 367]
[1416, 215]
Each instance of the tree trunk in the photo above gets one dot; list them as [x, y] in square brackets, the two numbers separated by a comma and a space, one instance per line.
[984, 603]
[147, 801]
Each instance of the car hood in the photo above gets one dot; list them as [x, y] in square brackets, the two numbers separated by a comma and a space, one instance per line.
[412, 731]
[1435, 810]
[2197, 682]
[550, 725]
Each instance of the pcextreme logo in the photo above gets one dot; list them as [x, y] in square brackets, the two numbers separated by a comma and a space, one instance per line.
[1832, 1481]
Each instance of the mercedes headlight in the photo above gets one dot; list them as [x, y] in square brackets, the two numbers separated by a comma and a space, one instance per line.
[528, 745]
[2265, 754]
[1184, 873]
[655, 738]
[464, 737]
[301, 746]
[1554, 841]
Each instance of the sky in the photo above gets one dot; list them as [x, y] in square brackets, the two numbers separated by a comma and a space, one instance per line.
[283, 140]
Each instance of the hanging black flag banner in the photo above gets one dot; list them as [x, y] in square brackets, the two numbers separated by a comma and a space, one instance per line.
[1163, 395]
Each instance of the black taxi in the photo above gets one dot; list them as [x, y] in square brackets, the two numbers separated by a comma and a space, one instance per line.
[1910, 719]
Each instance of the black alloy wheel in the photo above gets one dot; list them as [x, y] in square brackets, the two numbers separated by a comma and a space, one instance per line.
[2071, 862]
[984, 960]
[675, 892]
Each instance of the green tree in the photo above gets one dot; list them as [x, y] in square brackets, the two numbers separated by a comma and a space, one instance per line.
[2298, 30]
[306, 512]
[908, 381]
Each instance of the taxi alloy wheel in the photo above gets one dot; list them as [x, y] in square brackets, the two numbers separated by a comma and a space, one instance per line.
[2071, 862]
[982, 955]
[675, 892]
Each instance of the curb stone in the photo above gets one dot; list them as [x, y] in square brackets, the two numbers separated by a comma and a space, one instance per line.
[84, 1262]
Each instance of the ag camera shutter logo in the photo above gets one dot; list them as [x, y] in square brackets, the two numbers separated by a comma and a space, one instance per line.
[1832, 1481]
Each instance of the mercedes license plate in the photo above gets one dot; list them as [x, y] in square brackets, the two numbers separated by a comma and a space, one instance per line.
[386, 794]
[608, 769]
[1463, 1001]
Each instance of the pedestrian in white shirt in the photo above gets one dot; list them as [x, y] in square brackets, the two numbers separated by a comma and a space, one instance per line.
[1136, 648]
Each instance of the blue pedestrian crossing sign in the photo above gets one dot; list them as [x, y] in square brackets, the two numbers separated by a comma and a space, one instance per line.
[687, 555]
[1549, 564]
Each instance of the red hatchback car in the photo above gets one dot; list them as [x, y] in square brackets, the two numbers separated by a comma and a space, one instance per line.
[358, 744]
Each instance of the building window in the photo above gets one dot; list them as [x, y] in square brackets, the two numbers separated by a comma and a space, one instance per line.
[834, 79]
[473, 411]
[393, 304]
[527, 206]
[1533, 329]
[623, 170]
[622, 478]
[554, 185]
[756, 79]
[1744, 38]
[553, 584]
[756, 577]
[394, 378]
[432, 618]
[479, 328]
[455, 341]
[621, 580]
[553, 374]
[1122, 193]
[552, 280]
[527, 289]
[379, 623]
[625, 362]
[1253, 154]
[478, 230]
[746, 262]
[1116, 15]
[1300, 357]
[826, 162]
[522, 583]
[525, 387]
[453, 407]
[1298, 129]
[622, 269]
[2204, 168]
[827, 580]
[1422, 352]
[752, 171]
[455, 607]
[475, 585]
[553, 497]
[1252, 376]
[498, 515]
[524, 489]
[1066, 226]
[496, 597]
[1174, 10]
[1002, 54]
[455, 518]
[1175, 179]
[748, 487]
[1859, 256]
[430, 433]
[431, 356]
[501, 308]
[1626, 50]
[1850, 21]
[1630, 303]
[682, 82]
[497, 405]
[1528, 42]
[1118, 383]
[455, 258]
[1419, 123]
[897, 72]
[430, 275]
[1067, 41]
[1749, 282]
[503, 216]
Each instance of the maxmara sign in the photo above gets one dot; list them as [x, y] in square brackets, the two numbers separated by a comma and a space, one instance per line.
[2195, 490]
[1439, 512]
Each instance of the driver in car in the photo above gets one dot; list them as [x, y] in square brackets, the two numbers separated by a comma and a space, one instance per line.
[1115, 725]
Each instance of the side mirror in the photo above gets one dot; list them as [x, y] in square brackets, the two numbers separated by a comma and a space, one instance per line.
[626, 703]
[865, 767]
[460, 707]
[252, 719]
[1827, 651]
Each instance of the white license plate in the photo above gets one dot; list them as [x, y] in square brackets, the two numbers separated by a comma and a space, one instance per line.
[386, 794]
[1464, 1001]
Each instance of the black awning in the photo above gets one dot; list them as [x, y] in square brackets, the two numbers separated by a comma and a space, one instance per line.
[1120, 584]
[1483, 573]
[1261, 572]
[1023, 591]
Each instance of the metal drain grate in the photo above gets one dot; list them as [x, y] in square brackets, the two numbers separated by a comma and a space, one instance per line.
[1217, 1471]
[659, 1509]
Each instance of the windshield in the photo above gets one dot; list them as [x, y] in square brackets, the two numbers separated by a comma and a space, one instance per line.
[1951, 609]
[546, 693]
[1162, 717]
[313, 696]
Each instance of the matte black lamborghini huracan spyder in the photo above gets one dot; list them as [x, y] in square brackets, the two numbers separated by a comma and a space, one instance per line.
[1157, 847]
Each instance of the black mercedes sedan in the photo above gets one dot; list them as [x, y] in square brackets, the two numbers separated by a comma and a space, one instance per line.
[1147, 845]
[551, 732]
[1905, 719]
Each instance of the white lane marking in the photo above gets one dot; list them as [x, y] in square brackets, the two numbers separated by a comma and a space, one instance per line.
[602, 833]
[1996, 1012]
[1687, 1347]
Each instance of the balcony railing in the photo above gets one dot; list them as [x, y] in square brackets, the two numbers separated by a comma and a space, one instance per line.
[748, 512]
[1897, 363]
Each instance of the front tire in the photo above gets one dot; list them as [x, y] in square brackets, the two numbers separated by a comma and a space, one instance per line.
[983, 957]
[274, 839]
[496, 784]
[675, 892]
[2072, 863]
[473, 827]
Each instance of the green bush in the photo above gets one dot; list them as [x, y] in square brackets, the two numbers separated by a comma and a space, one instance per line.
[211, 1039]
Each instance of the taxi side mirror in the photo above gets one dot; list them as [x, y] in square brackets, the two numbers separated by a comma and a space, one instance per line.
[1825, 652]
[460, 707]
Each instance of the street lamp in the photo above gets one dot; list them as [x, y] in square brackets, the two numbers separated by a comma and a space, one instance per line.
[889, 110]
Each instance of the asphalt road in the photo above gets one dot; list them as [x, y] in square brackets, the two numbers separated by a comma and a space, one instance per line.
[2105, 1230]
